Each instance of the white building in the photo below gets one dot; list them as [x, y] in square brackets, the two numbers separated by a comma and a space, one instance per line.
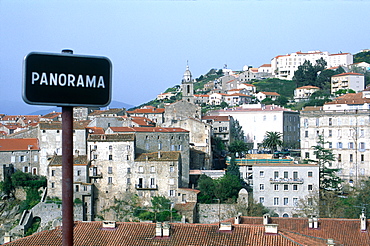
[257, 119]
[278, 186]
[304, 92]
[284, 66]
[354, 81]
[345, 125]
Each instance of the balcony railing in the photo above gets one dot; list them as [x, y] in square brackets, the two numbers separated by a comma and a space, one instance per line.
[286, 181]
[146, 187]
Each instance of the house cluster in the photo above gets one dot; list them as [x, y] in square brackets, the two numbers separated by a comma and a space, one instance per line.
[235, 88]
[236, 231]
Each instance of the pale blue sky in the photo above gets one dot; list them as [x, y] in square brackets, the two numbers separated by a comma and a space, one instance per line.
[149, 42]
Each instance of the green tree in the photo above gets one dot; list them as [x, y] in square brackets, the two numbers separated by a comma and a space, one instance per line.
[236, 131]
[238, 147]
[343, 91]
[272, 141]
[161, 210]
[227, 188]
[206, 185]
[324, 158]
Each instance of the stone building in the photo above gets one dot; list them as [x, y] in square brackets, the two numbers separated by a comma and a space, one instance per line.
[83, 190]
[187, 86]
[150, 112]
[159, 139]
[22, 153]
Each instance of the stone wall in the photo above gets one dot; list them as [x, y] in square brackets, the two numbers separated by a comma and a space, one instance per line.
[208, 213]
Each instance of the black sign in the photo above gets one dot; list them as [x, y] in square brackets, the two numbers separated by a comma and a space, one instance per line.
[66, 80]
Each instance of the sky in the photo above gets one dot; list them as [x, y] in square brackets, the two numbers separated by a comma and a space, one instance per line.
[150, 42]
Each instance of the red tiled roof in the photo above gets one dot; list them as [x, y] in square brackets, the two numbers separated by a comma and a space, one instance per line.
[249, 84]
[14, 144]
[346, 74]
[200, 95]
[339, 54]
[266, 65]
[308, 87]
[147, 111]
[129, 234]
[216, 118]
[147, 129]
[270, 93]
[237, 94]
[95, 130]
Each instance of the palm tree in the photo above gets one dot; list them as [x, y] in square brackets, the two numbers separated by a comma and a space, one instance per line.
[272, 141]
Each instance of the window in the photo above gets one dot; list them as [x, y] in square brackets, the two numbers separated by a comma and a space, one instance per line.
[95, 157]
[159, 145]
[147, 146]
[12, 159]
[330, 145]
[110, 147]
[276, 174]
[172, 193]
[285, 174]
[141, 169]
[295, 187]
[52, 172]
[172, 169]
[110, 180]
[330, 133]
[276, 187]
[339, 157]
[152, 182]
[362, 157]
[77, 188]
[22, 158]
[110, 170]
[128, 170]
[340, 145]
[262, 173]
[307, 155]
[310, 201]
[286, 187]
[78, 172]
[152, 169]
[306, 134]
[276, 201]
[350, 157]
[362, 133]
[180, 147]
[110, 157]
[309, 187]
[262, 200]
[295, 201]
[128, 180]
[127, 157]
[52, 185]
[309, 174]
[286, 200]
[330, 122]
[295, 175]
[262, 186]
[350, 145]
[362, 146]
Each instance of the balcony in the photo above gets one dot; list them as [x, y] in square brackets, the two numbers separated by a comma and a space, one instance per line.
[146, 187]
[286, 181]
[96, 175]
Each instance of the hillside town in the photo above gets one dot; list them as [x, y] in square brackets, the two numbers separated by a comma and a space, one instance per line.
[287, 160]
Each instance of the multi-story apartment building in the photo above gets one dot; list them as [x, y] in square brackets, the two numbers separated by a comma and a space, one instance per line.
[284, 66]
[221, 127]
[278, 186]
[257, 119]
[344, 124]
[354, 81]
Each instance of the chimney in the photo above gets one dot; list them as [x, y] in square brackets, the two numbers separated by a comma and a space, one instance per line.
[158, 229]
[7, 238]
[330, 241]
[225, 226]
[166, 229]
[363, 221]
[266, 219]
[109, 224]
[310, 223]
[271, 228]
[315, 222]
[237, 219]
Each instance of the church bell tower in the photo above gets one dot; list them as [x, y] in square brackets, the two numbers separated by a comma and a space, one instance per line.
[187, 86]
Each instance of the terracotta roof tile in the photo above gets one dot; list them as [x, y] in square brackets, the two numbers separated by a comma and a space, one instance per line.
[147, 129]
[14, 144]
[346, 74]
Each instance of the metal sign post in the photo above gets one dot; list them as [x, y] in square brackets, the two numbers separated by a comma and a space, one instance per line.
[67, 80]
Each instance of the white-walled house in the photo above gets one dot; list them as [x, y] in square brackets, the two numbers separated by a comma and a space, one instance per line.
[303, 93]
[354, 81]
[257, 119]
